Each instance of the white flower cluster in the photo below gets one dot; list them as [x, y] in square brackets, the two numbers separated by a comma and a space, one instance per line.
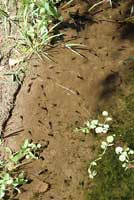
[124, 155]
[100, 127]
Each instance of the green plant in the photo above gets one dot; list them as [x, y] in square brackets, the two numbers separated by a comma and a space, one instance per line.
[27, 150]
[10, 178]
[8, 181]
[17, 74]
[125, 154]
[37, 29]
[96, 125]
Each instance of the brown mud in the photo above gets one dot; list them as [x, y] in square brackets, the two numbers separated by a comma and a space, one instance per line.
[56, 97]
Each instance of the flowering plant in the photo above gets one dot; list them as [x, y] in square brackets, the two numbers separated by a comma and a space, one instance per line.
[125, 154]
[96, 125]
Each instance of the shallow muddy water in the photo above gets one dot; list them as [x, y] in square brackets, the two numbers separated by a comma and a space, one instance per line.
[55, 98]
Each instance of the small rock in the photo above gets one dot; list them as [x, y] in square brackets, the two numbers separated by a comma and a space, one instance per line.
[41, 187]
[13, 62]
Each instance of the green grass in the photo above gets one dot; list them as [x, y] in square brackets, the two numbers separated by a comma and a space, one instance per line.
[112, 182]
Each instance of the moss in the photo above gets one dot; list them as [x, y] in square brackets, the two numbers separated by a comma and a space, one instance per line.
[112, 182]
[130, 103]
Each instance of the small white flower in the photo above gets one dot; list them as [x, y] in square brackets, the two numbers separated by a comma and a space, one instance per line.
[118, 150]
[106, 126]
[95, 121]
[124, 153]
[124, 165]
[122, 157]
[104, 145]
[91, 176]
[105, 130]
[27, 156]
[99, 130]
[100, 124]
[88, 124]
[93, 163]
[89, 170]
[39, 146]
[131, 152]
[94, 173]
[92, 126]
[105, 113]
[108, 119]
[110, 139]
[9, 182]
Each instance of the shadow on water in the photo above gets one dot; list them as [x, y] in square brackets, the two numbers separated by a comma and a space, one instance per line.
[127, 31]
[127, 28]
[110, 85]
[78, 21]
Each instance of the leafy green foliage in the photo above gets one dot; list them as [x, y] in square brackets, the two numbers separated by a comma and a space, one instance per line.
[10, 179]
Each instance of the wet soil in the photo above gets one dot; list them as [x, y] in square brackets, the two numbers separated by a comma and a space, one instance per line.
[56, 97]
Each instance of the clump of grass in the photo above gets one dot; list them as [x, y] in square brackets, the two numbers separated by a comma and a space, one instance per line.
[38, 29]
[35, 24]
